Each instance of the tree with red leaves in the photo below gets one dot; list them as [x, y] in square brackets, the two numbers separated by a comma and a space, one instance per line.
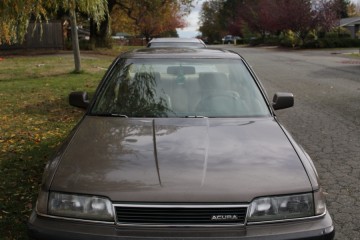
[269, 17]
[299, 16]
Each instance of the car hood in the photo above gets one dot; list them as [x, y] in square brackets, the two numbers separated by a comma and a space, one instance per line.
[180, 160]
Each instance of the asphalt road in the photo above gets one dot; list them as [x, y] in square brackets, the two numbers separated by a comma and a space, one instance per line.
[325, 119]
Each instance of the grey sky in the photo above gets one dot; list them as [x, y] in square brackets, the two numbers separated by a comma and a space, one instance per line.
[192, 20]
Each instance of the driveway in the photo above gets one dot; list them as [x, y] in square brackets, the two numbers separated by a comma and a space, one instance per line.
[325, 119]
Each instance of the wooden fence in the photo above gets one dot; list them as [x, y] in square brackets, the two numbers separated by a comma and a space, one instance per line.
[51, 37]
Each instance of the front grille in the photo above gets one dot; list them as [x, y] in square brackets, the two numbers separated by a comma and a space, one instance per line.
[183, 215]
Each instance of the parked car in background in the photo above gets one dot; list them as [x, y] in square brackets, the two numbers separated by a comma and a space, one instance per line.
[83, 33]
[230, 39]
[176, 42]
[180, 143]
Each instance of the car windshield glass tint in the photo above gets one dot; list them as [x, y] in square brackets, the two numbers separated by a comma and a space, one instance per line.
[180, 88]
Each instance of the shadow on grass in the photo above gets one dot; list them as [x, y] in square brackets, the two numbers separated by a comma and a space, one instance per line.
[56, 110]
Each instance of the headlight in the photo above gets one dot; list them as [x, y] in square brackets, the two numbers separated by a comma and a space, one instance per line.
[80, 206]
[281, 208]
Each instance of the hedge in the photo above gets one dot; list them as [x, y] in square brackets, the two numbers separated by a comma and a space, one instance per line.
[332, 43]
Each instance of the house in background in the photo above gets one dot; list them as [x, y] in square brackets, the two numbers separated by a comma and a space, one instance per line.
[352, 24]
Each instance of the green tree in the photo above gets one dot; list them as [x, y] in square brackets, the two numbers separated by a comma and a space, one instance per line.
[210, 20]
[16, 14]
[342, 8]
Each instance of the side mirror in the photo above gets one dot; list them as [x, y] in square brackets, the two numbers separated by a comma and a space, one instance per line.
[282, 100]
[79, 99]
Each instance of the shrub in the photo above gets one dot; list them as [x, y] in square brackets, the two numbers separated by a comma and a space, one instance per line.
[273, 40]
[290, 39]
[311, 36]
[339, 32]
[256, 41]
[332, 43]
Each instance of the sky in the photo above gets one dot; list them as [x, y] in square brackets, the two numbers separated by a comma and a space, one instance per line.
[192, 20]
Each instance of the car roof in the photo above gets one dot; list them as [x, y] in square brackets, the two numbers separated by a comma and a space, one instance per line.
[177, 40]
[174, 53]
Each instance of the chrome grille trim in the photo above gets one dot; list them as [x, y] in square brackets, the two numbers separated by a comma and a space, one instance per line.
[288, 219]
[75, 219]
[179, 215]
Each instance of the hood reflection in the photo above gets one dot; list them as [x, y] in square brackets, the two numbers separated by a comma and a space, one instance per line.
[163, 158]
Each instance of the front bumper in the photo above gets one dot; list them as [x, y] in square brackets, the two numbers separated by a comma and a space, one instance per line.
[48, 228]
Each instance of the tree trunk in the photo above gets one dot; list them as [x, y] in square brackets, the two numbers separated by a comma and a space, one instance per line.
[100, 37]
[75, 41]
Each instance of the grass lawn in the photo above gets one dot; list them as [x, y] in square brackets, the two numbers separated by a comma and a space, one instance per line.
[35, 118]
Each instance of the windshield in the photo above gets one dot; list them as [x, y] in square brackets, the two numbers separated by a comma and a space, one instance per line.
[180, 88]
